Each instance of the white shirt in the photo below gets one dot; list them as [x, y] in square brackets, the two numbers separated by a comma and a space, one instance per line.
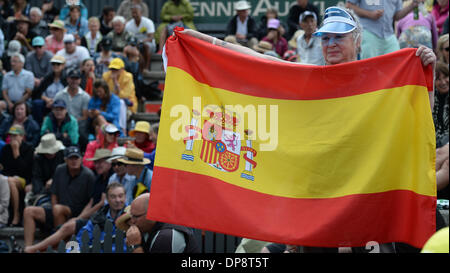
[145, 27]
[311, 52]
[80, 54]
[241, 28]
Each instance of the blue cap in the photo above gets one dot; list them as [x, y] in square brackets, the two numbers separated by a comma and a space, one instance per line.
[59, 103]
[38, 41]
[336, 20]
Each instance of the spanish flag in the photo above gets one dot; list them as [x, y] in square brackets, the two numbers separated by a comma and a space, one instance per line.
[321, 156]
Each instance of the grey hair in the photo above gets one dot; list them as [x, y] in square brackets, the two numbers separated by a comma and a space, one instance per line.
[119, 18]
[20, 56]
[36, 9]
[357, 32]
[137, 6]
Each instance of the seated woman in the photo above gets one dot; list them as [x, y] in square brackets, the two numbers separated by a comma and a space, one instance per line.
[17, 162]
[121, 83]
[106, 139]
[21, 116]
[51, 84]
[103, 106]
[275, 38]
[87, 75]
[141, 134]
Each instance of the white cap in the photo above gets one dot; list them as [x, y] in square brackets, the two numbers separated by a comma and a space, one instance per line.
[69, 38]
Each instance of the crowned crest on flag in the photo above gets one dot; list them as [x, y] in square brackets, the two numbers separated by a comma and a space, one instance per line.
[221, 146]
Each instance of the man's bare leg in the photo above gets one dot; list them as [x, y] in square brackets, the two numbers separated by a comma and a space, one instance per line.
[30, 216]
[63, 233]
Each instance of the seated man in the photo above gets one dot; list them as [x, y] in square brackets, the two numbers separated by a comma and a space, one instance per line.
[120, 173]
[119, 35]
[17, 162]
[38, 60]
[77, 101]
[49, 154]
[141, 27]
[17, 84]
[72, 53]
[309, 47]
[162, 237]
[98, 197]
[115, 197]
[135, 162]
[62, 124]
[242, 27]
[71, 192]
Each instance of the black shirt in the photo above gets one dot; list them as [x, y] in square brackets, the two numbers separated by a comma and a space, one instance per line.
[168, 238]
[74, 192]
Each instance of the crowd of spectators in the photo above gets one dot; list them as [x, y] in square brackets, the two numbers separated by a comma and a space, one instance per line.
[70, 84]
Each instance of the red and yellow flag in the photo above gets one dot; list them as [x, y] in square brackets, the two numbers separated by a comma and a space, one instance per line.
[322, 156]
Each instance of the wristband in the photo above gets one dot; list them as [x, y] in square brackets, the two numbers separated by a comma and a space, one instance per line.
[133, 247]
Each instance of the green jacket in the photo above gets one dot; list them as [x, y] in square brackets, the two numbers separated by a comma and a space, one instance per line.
[169, 9]
[69, 126]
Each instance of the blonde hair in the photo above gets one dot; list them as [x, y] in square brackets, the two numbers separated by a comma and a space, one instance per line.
[440, 46]
[93, 19]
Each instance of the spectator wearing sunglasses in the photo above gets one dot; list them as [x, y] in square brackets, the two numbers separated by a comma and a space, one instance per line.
[44, 93]
[120, 173]
[38, 60]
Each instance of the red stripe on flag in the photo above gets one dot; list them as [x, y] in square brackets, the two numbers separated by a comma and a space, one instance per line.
[202, 154]
[351, 220]
[271, 79]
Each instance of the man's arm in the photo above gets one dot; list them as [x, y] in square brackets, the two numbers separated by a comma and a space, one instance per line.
[26, 95]
[237, 48]
[89, 210]
[406, 10]
[371, 14]
[6, 98]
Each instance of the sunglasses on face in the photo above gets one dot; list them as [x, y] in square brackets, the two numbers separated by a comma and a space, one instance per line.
[56, 64]
[37, 46]
[118, 164]
[446, 49]
[338, 39]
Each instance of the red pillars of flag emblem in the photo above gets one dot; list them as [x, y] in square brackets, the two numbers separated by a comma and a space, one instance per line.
[209, 154]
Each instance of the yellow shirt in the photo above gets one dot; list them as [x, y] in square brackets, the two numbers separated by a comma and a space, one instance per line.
[126, 86]
[438, 243]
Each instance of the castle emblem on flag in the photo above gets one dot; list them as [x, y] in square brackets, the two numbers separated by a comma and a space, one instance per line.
[221, 147]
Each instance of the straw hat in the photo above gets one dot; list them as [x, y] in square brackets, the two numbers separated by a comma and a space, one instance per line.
[49, 145]
[263, 46]
[57, 24]
[134, 156]
[100, 154]
[141, 126]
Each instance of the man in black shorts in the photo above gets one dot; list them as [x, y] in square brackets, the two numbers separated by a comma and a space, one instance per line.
[71, 192]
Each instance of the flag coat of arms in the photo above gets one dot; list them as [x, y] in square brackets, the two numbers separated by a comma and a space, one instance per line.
[322, 156]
